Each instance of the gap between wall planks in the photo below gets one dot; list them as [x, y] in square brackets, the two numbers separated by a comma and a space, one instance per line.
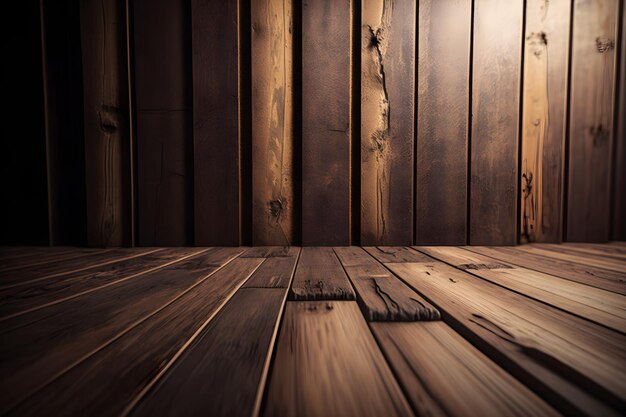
[619, 186]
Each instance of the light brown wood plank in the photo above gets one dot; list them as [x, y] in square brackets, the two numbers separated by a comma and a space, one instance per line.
[320, 276]
[617, 258]
[395, 254]
[445, 375]
[602, 307]
[544, 95]
[443, 121]
[272, 123]
[276, 272]
[573, 364]
[595, 277]
[327, 363]
[575, 258]
[387, 112]
[115, 377]
[380, 295]
[592, 95]
[496, 72]
[43, 343]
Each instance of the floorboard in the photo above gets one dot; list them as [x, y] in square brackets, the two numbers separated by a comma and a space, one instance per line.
[320, 276]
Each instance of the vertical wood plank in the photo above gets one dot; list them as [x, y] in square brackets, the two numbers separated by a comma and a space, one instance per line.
[594, 34]
[619, 188]
[442, 121]
[107, 146]
[162, 92]
[326, 125]
[495, 121]
[272, 122]
[215, 122]
[387, 105]
[544, 96]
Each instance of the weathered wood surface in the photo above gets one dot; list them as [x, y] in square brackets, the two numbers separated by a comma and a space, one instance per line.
[445, 375]
[573, 364]
[587, 252]
[618, 231]
[577, 258]
[326, 124]
[320, 276]
[215, 39]
[39, 255]
[387, 114]
[602, 307]
[443, 121]
[595, 277]
[544, 97]
[141, 355]
[272, 123]
[268, 252]
[592, 95]
[106, 122]
[327, 363]
[496, 72]
[45, 342]
[276, 272]
[380, 295]
[396, 254]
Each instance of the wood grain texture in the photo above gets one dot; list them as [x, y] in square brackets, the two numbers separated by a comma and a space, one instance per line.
[380, 295]
[216, 122]
[276, 272]
[619, 184]
[573, 364]
[320, 276]
[230, 356]
[396, 254]
[544, 97]
[448, 376]
[137, 357]
[45, 342]
[387, 114]
[162, 63]
[442, 121]
[272, 123]
[326, 125]
[592, 94]
[495, 125]
[106, 121]
[576, 258]
[327, 363]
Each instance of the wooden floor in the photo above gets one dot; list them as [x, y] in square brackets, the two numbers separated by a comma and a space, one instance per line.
[535, 330]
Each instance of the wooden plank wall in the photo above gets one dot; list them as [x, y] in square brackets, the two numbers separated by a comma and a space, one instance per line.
[378, 122]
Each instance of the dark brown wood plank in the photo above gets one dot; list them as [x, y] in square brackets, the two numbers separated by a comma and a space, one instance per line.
[43, 343]
[380, 295]
[442, 121]
[276, 272]
[395, 254]
[496, 75]
[619, 177]
[326, 124]
[163, 121]
[268, 252]
[37, 255]
[215, 122]
[327, 363]
[448, 376]
[544, 96]
[272, 123]
[106, 121]
[602, 307]
[592, 93]
[387, 113]
[22, 299]
[117, 376]
[595, 277]
[573, 364]
[320, 276]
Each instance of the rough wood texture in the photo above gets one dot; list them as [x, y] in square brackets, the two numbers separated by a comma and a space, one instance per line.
[320, 276]
[106, 120]
[387, 108]
[619, 187]
[272, 123]
[575, 365]
[592, 94]
[276, 272]
[576, 258]
[396, 254]
[162, 63]
[447, 376]
[442, 121]
[382, 296]
[546, 55]
[327, 363]
[495, 110]
[326, 122]
[149, 349]
[215, 122]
